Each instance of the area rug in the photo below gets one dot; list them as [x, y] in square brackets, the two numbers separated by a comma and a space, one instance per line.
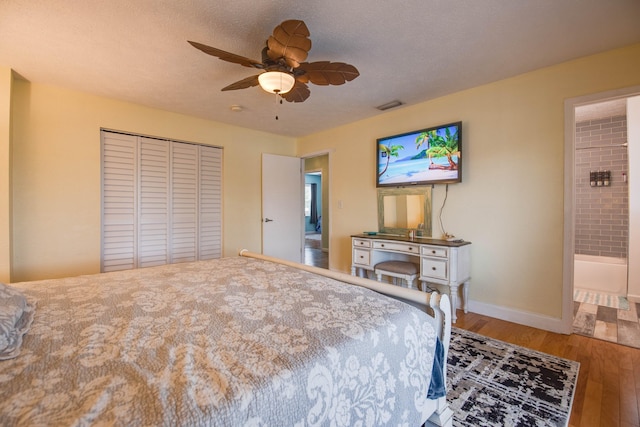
[493, 383]
[597, 298]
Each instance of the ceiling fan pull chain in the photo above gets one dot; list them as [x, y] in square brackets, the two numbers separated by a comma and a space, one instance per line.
[277, 96]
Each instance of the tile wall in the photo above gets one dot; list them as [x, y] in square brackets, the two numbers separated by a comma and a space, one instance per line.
[602, 213]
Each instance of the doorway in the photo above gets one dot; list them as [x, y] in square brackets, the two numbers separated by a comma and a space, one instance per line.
[316, 202]
[597, 219]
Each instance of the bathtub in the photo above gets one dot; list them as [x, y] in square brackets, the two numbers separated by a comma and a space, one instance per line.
[602, 274]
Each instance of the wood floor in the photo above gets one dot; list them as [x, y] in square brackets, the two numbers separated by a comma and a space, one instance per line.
[314, 255]
[608, 390]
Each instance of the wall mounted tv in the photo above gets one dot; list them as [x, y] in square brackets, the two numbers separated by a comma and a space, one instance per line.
[423, 157]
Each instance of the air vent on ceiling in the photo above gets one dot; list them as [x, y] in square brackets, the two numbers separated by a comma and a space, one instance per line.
[389, 105]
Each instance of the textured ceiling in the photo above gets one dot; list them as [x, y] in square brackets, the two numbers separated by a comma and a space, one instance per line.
[412, 51]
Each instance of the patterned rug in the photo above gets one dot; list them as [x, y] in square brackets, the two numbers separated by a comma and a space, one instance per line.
[493, 383]
[597, 298]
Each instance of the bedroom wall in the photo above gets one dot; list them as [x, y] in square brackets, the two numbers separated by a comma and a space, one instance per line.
[510, 203]
[56, 175]
[6, 80]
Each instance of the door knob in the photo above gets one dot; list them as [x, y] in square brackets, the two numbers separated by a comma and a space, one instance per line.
[267, 220]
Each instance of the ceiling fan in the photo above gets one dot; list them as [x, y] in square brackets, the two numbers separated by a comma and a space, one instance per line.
[284, 71]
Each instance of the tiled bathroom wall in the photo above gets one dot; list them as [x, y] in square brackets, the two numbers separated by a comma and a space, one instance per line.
[602, 213]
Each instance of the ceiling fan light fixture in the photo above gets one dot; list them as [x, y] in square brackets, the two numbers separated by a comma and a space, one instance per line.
[276, 82]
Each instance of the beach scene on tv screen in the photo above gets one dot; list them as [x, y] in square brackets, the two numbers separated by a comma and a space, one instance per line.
[431, 155]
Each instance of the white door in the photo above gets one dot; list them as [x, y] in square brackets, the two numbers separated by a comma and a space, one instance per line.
[161, 202]
[282, 207]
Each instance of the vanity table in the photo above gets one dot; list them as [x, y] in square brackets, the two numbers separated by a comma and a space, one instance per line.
[441, 262]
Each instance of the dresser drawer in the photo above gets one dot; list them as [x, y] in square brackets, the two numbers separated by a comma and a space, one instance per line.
[434, 268]
[361, 243]
[435, 251]
[361, 257]
[406, 248]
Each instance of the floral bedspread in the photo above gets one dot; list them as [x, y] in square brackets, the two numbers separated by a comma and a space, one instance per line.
[228, 342]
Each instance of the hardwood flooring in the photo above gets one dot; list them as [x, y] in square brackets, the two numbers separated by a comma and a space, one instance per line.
[313, 254]
[608, 389]
[316, 258]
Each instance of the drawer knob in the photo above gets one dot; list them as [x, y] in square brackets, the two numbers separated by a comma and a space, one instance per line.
[410, 248]
[433, 268]
[361, 256]
[433, 252]
[382, 245]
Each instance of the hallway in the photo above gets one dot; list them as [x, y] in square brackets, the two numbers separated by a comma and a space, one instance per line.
[313, 253]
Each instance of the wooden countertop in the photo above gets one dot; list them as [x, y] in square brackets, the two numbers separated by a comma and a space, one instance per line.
[419, 240]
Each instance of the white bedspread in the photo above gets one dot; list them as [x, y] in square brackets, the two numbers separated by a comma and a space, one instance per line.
[229, 342]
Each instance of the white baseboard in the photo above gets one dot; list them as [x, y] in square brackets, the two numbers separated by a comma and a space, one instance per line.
[534, 320]
[633, 298]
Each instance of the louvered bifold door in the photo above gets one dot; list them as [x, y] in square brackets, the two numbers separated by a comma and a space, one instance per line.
[210, 202]
[119, 189]
[153, 202]
[161, 202]
[184, 200]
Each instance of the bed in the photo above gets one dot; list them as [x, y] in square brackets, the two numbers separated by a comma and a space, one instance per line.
[238, 341]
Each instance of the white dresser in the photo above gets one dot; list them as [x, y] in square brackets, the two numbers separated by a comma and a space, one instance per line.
[441, 262]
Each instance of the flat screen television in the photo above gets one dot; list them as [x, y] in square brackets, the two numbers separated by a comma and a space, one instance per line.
[423, 157]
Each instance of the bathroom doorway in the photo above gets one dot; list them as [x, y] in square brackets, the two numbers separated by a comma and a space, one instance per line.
[601, 198]
[600, 220]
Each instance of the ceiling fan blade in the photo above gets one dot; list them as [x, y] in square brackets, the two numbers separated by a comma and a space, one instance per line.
[290, 41]
[243, 84]
[328, 73]
[226, 56]
[298, 93]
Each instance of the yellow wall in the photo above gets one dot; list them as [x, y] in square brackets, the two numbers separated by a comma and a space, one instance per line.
[56, 174]
[6, 80]
[510, 203]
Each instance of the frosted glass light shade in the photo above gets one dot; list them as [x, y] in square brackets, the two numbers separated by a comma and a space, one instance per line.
[276, 82]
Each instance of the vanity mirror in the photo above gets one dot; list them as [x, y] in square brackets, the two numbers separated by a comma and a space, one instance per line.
[404, 209]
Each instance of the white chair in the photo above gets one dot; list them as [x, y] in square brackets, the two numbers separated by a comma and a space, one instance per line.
[404, 270]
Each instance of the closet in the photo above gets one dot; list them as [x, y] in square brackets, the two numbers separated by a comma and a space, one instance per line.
[161, 201]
